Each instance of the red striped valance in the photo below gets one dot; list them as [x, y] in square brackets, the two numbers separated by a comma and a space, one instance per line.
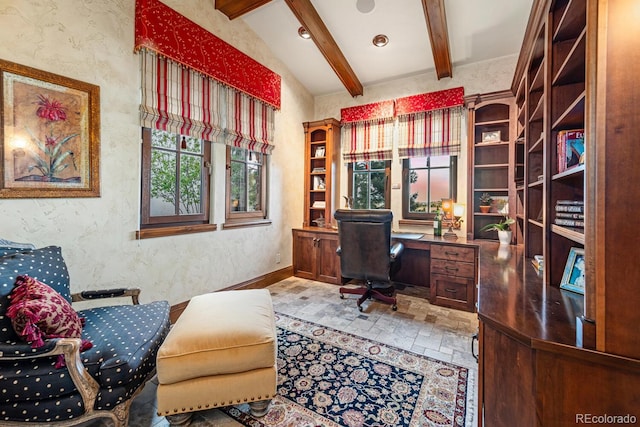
[367, 140]
[179, 100]
[163, 30]
[430, 133]
[430, 101]
[376, 110]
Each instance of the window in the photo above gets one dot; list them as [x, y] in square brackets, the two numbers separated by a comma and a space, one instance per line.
[175, 179]
[368, 184]
[246, 186]
[427, 180]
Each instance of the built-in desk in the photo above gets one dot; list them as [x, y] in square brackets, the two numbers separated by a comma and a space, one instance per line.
[448, 268]
[531, 373]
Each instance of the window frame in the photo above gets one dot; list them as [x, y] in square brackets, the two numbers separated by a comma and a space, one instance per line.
[148, 222]
[387, 175]
[453, 188]
[243, 219]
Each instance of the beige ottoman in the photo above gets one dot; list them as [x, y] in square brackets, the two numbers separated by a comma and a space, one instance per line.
[220, 352]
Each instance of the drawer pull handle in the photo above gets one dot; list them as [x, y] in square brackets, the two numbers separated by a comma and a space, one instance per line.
[451, 269]
[453, 291]
[451, 253]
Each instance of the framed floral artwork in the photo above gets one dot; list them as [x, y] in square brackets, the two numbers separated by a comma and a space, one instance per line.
[49, 134]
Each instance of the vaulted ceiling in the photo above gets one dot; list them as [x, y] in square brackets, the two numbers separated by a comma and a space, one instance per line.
[424, 35]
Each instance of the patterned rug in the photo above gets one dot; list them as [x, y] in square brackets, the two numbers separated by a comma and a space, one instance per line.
[330, 378]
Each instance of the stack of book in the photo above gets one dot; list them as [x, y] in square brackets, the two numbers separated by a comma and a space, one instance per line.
[570, 213]
[538, 263]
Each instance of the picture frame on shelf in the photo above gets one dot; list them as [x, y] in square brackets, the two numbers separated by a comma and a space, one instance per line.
[491, 136]
[319, 152]
[573, 276]
[50, 134]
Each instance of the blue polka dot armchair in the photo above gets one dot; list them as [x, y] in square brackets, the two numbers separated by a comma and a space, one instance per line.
[98, 382]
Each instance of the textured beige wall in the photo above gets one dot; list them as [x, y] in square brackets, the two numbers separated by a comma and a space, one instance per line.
[92, 41]
[482, 77]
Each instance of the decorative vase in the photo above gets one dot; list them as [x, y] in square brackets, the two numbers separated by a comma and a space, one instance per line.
[484, 208]
[504, 236]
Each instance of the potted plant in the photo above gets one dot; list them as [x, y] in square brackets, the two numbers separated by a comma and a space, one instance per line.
[503, 228]
[485, 202]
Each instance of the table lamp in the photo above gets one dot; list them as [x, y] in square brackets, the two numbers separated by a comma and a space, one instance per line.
[456, 221]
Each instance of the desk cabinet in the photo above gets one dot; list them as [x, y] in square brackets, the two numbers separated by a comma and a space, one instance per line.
[454, 276]
[314, 256]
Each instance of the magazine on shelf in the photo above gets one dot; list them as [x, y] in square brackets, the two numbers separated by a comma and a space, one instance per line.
[570, 148]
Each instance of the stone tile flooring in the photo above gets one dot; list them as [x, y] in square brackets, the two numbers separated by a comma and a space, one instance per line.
[437, 332]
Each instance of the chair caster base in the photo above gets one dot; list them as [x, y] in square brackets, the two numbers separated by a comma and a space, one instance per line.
[341, 296]
[360, 308]
[394, 308]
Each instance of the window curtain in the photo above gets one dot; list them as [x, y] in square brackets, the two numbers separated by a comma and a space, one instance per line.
[178, 99]
[367, 132]
[250, 123]
[430, 133]
[430, 124]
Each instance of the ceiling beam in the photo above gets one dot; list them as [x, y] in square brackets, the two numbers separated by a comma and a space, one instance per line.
[439, 36]
[236, 8]
[310, 20]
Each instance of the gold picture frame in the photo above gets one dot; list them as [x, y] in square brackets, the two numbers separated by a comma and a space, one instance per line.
[49, 134]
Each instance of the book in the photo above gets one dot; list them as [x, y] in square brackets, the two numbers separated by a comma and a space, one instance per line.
[570, 148]
[572, 215]
[569, 208]
[319, 204]
[570, 202]
[569, 222]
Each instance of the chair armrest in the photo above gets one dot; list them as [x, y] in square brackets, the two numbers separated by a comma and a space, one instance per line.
[396, 250]
[107, 293]
[70, 349]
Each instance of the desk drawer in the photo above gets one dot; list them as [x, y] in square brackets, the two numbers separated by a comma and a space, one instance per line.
[453, 253]
[454, 268]
[453, 292]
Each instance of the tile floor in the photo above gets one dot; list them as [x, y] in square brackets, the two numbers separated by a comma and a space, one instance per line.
[418, 326]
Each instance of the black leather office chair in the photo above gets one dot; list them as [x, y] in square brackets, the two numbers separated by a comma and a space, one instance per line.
[366, 254]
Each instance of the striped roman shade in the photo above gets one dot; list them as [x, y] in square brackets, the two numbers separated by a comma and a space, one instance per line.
[178, 99]
[367, 132]
[367, 140]
[250, 123]
[430, 133]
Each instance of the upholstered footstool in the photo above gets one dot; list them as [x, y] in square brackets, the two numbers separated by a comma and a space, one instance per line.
[221, 351]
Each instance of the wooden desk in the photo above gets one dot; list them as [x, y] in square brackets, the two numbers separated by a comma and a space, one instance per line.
[448, 268]
[531, 373]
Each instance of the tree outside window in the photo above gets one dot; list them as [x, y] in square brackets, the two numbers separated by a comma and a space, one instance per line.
[368, 184]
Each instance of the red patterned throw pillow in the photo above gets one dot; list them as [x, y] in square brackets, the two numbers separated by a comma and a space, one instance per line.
[38, 312]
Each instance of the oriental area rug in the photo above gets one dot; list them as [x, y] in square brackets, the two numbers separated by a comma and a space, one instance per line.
[330, 378]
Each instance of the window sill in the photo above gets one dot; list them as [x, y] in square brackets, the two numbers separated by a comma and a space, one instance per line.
[415, 222]
[149, 233]
[246, 223]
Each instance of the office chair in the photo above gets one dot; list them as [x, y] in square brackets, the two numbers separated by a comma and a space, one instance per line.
[366, 254]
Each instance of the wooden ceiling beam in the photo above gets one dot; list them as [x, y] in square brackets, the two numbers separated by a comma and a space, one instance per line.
[439, 36]
[236, 8]
[310, 20]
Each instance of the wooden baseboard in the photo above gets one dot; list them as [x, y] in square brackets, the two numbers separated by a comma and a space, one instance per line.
[255, 283]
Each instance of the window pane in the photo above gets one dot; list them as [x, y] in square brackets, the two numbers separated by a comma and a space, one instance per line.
[439, 161]
[253, 188]
[377, 190]
[377, 164]
[439, 184]
[238, 154]
[238, 187]
[163, 183]
[418, 180]
[160, 138]
[418, 162]
[194, 145]
[360, 166]
[190, 184]
[360, 191]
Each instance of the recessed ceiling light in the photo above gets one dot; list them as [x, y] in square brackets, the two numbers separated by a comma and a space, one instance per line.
[380, 40]
[365, 6]
[302, 32]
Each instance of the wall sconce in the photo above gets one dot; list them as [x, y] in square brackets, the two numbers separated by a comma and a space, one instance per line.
[456, 222]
